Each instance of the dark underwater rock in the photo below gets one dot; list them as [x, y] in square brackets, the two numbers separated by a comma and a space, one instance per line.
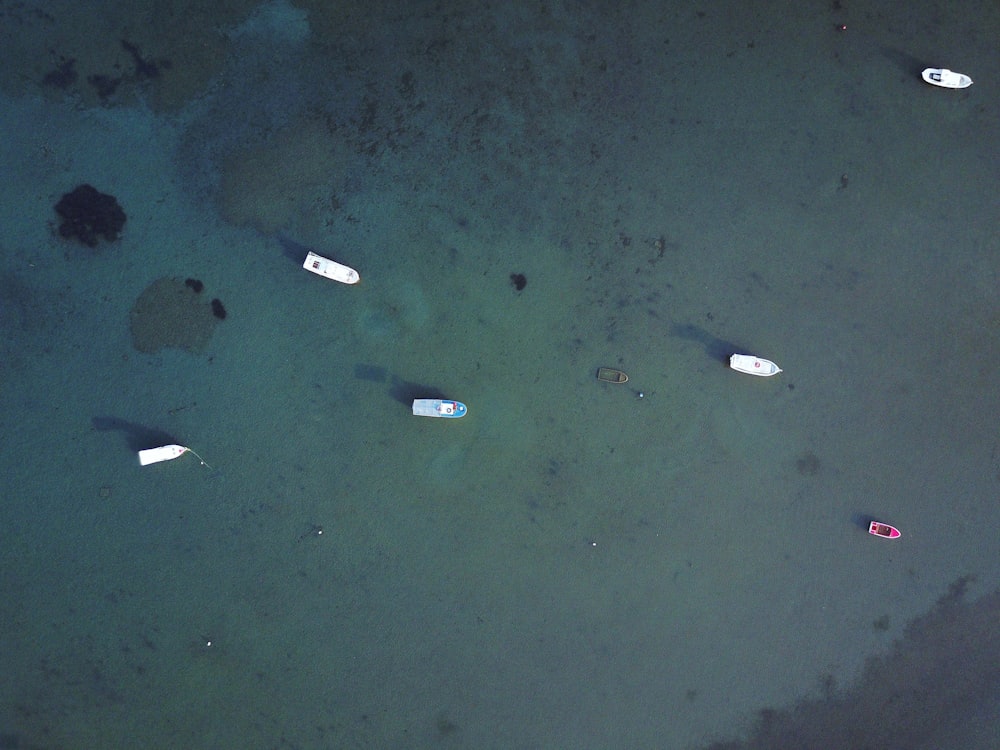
[88, 214]
[63, 75]
[170, 314]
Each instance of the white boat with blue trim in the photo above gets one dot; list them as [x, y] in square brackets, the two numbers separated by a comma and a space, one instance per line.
[438, 407]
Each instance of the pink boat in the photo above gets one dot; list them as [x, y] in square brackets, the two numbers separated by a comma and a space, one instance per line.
[877, 528]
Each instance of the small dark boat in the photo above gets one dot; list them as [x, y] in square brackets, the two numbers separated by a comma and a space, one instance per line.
[610, 375]
[877, 528]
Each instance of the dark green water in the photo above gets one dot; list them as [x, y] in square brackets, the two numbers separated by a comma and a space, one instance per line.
[569, 565]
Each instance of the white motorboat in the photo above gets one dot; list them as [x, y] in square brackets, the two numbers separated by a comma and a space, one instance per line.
[163, 453]
[947, 79]
[752, 365]
[166, 453]
[331, 269]
[438, 407]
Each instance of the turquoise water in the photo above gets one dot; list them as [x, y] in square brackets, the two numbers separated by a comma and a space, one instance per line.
[569, 565]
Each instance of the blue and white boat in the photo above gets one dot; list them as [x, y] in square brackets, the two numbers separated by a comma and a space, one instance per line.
[436, 407]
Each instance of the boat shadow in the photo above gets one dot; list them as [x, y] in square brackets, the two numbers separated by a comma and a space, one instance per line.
[862, 520]
[137, 437]
[906, 62]
[403, 391]
[294, 251]
[716, 348]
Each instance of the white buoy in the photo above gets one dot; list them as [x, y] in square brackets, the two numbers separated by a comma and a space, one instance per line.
[166, 453]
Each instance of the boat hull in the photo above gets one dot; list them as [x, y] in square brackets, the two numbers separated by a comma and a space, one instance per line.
[610, 375]
[884, 530]
[946, 79]
[163, 453]
[330, 269]
[751, 365]
[437, 407]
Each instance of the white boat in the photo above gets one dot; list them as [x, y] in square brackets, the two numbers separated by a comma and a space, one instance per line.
[437, 407]
[945, 78]
[331, 269]
[166, 453]
[163, 453]
[752, 365]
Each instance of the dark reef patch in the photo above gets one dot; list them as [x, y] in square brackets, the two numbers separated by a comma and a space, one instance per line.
[170, 314]
[144, 67]
[937, 681]
[808, 464]
[88, 214]
[63, 76]
[105, 86]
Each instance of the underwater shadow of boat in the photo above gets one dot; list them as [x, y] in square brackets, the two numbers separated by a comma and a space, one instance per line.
[401, 390]
[404, 391]
[862, 521]
[906, 62]
[716, 348]
[294, 251]
[138, 437]
[371, 373]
